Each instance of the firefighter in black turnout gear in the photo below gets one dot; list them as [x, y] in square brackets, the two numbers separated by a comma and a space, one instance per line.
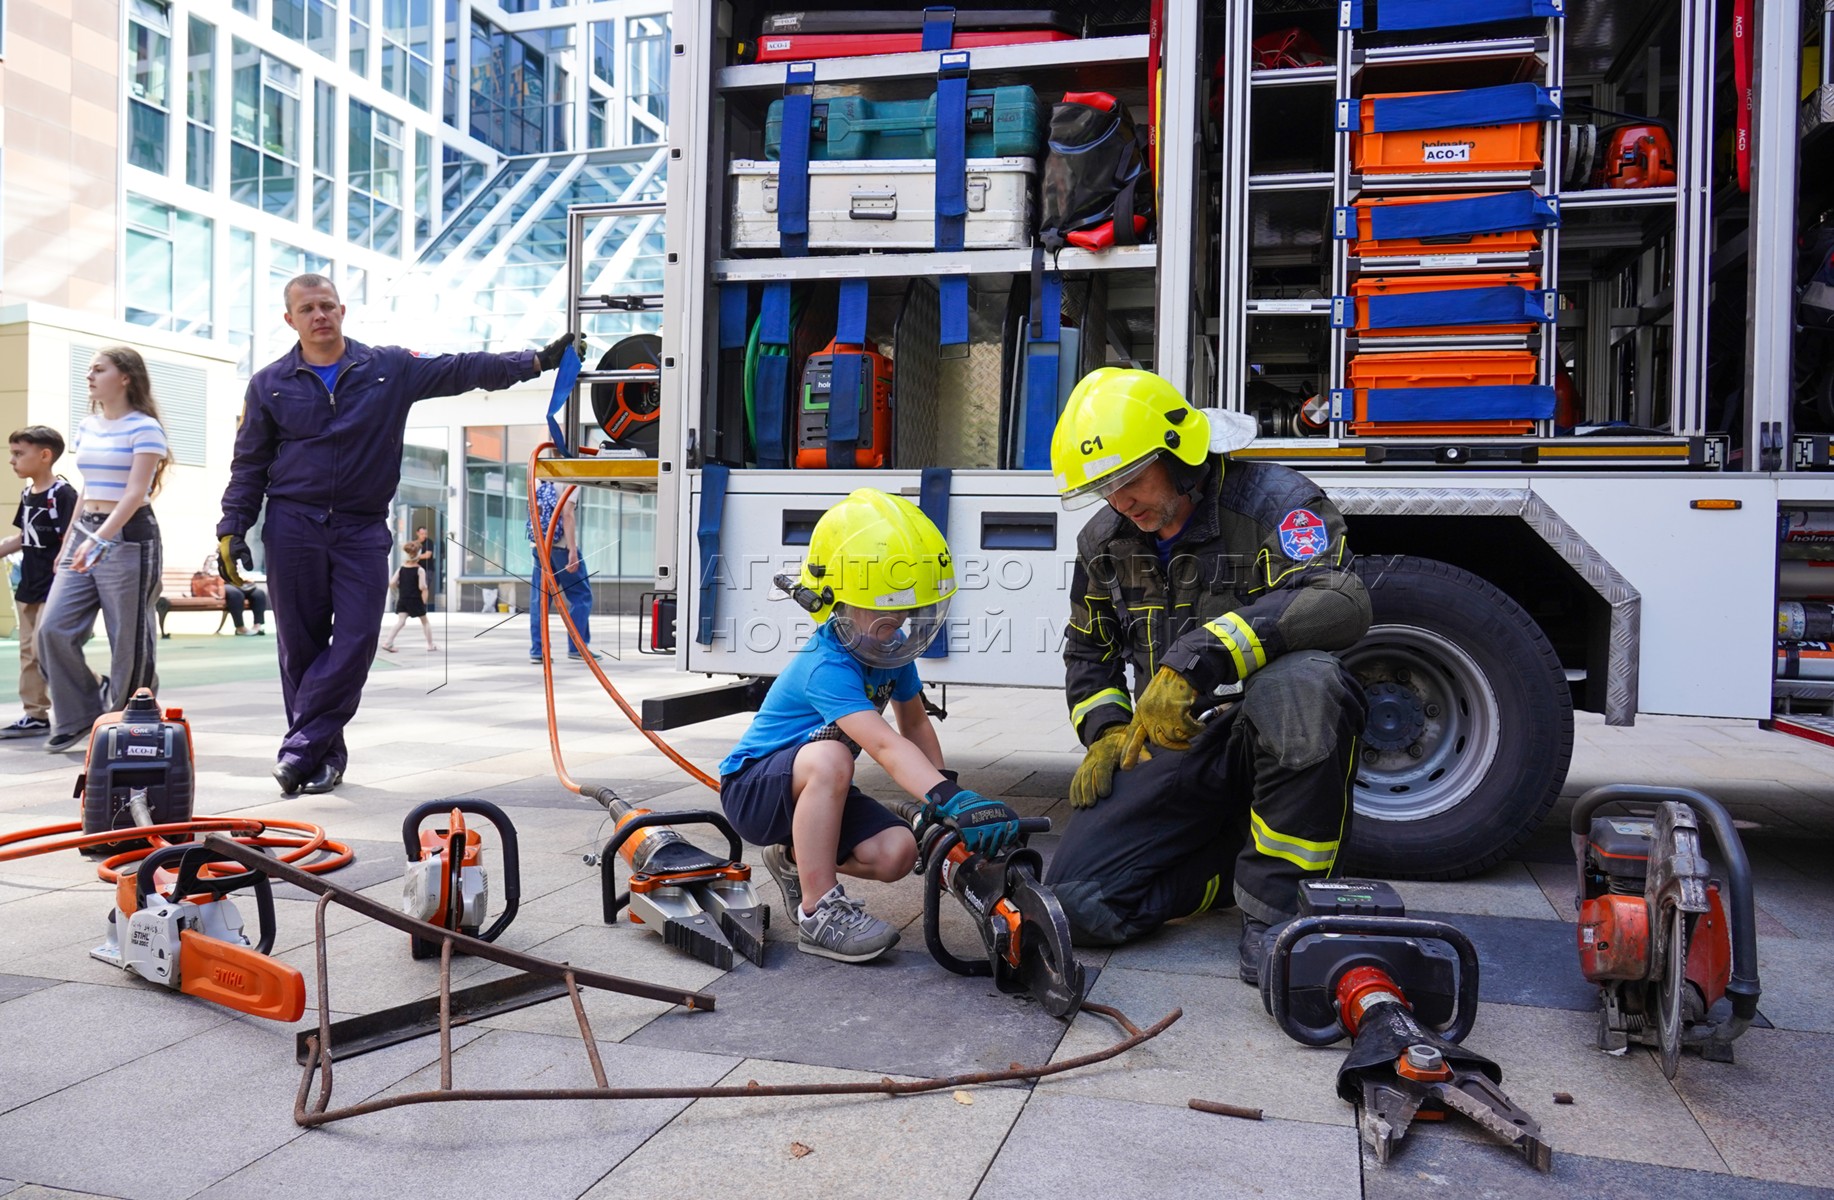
[1225, 586]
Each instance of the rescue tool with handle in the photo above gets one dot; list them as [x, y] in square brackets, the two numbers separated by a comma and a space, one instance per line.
[445, 882]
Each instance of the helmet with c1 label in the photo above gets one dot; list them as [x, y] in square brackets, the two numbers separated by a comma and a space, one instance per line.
[1116, 422]
[875, 553]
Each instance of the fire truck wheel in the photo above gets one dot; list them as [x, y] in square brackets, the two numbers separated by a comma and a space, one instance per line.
[1470, 723]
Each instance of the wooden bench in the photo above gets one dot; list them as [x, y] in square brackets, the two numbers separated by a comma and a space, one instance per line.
[175, 596]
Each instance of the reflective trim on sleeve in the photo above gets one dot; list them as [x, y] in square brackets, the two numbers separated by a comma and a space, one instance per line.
[1105, 696]
[1244, 647]
[1307, 856]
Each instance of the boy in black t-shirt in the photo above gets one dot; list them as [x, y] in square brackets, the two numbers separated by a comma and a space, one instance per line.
[44, 512]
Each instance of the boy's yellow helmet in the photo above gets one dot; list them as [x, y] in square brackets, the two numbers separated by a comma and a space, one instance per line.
[1116, 421]
[875, 552]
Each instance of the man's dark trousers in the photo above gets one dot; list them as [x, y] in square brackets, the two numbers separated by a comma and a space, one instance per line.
[328, 575]
[1191, 830]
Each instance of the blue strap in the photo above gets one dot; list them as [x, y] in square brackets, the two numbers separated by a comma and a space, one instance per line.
[565, 375]
[1506, 304]
[846, 372]
[952, 190]
[933, 499]
[1509, 402]
[938, 27]
[1436, 14]
[1041, 350]
[1510, 102]
[771, 392]
[735, 299]
[713, 478]
[1482, 214]
[793, 162]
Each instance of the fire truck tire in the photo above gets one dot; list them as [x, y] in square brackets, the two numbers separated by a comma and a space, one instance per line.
[1470, 725]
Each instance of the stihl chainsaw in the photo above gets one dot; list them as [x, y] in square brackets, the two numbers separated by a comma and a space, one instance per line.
[174, 926]
[445, 882]
[1654, 930]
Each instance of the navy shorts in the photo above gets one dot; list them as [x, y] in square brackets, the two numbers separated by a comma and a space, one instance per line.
[759, 800]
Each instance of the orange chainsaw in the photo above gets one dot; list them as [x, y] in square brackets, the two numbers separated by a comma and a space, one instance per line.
[445, 882]
[172, 925]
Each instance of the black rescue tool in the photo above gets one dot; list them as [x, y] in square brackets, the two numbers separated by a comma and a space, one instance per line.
[698, 901]
[1353, 964]
[445, 882]
[1023, 931]
[1654, 933]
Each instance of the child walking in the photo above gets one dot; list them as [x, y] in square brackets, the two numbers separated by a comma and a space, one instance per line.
[410, 586]
[878, 578]
[45, 508]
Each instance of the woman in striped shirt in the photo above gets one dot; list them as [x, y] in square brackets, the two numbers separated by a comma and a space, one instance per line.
[112, 556]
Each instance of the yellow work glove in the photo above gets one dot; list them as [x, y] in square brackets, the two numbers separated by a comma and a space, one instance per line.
[1163, 717]
[231, 549]
[1094, 780]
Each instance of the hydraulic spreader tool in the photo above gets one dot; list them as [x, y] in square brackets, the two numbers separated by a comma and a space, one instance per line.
[1655, 933]
[1404, 991]
[445, 882]
[1024, 935]
[173, 924]
[697, 900]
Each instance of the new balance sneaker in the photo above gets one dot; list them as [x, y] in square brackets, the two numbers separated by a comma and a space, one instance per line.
[842, 929]
[26, 726]
[783, 870]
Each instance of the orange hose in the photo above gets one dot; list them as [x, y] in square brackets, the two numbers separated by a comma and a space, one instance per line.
[253, 831]
[544, 541]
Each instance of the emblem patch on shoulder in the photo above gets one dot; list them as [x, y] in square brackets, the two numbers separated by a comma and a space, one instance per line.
[1302, 534]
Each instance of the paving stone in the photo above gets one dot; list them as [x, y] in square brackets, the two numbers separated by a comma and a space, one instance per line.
[490, 1150]
[1225, 1048]
[1505, 890]
[58, 1035]
[1202, 945]
[14, 986]
[548, 793]
[1623, 1108]
[1431, 1164]
[1533, 962]
[900, 1014]
[1069, 1145]
[32, 1191]
[1768, 1113]
[374, 862]
[626, 951]
[237, 1081]
[1793, 973]
[930, 1145]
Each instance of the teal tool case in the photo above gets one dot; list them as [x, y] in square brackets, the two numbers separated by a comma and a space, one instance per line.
[1003, 122]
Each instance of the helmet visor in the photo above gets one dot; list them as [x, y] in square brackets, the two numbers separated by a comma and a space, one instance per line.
[1100, 489]
[888, 638]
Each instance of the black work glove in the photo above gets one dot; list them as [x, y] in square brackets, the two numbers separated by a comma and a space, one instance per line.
[231, 549]
[549, 356]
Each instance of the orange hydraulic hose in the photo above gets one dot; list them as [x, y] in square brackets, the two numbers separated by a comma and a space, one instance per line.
[544, 541]
[252, 831]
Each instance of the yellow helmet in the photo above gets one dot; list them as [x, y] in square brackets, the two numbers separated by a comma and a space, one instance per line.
[1115, 423]
[877, 553]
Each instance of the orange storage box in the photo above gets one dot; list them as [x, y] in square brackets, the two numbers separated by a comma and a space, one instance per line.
[1455, 372]
[1365, 244]
[1413, 285]
[1515, 146]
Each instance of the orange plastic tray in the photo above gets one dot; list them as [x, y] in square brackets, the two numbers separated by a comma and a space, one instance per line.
[1512, 147]
[1367, 245]
[1407, 285]
[1464, 368]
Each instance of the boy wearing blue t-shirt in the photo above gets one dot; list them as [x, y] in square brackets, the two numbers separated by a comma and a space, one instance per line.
[878, 578]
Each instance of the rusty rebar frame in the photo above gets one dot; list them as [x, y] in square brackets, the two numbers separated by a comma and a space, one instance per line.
[320, 1054]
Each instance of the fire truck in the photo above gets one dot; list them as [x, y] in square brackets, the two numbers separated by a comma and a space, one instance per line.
[1534, 289]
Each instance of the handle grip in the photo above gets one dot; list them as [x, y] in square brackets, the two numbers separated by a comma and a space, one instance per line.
[611, 899]
[506, 833]
[1280, 963]
[191, 860]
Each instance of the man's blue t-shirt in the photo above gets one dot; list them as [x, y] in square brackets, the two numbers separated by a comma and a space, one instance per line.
[822, 684]
[329, 375]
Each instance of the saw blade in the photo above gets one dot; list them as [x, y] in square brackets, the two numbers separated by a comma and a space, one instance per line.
[1047, 962]
[1670, 990]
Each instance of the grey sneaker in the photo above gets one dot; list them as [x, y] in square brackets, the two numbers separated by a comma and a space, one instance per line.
[777, 862]
[841, 929]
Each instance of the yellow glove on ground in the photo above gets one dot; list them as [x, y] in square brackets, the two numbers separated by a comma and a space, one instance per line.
[1095, 778]
[1162, 717]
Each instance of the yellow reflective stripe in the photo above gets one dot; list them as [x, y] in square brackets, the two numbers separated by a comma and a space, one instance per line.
[1244, 647]
[1308, 856]
[1210, 890]
[1105, 696]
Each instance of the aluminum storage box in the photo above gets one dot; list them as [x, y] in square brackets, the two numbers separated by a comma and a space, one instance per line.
[885, 204]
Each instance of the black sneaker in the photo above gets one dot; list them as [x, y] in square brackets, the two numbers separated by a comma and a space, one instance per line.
[24, 727]
[57, 743]
[1249, 950]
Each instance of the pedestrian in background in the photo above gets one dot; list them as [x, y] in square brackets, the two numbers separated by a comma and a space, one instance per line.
[111, 555]
[321, 437]
[45, 508]
[569, 572]
[410, 587]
